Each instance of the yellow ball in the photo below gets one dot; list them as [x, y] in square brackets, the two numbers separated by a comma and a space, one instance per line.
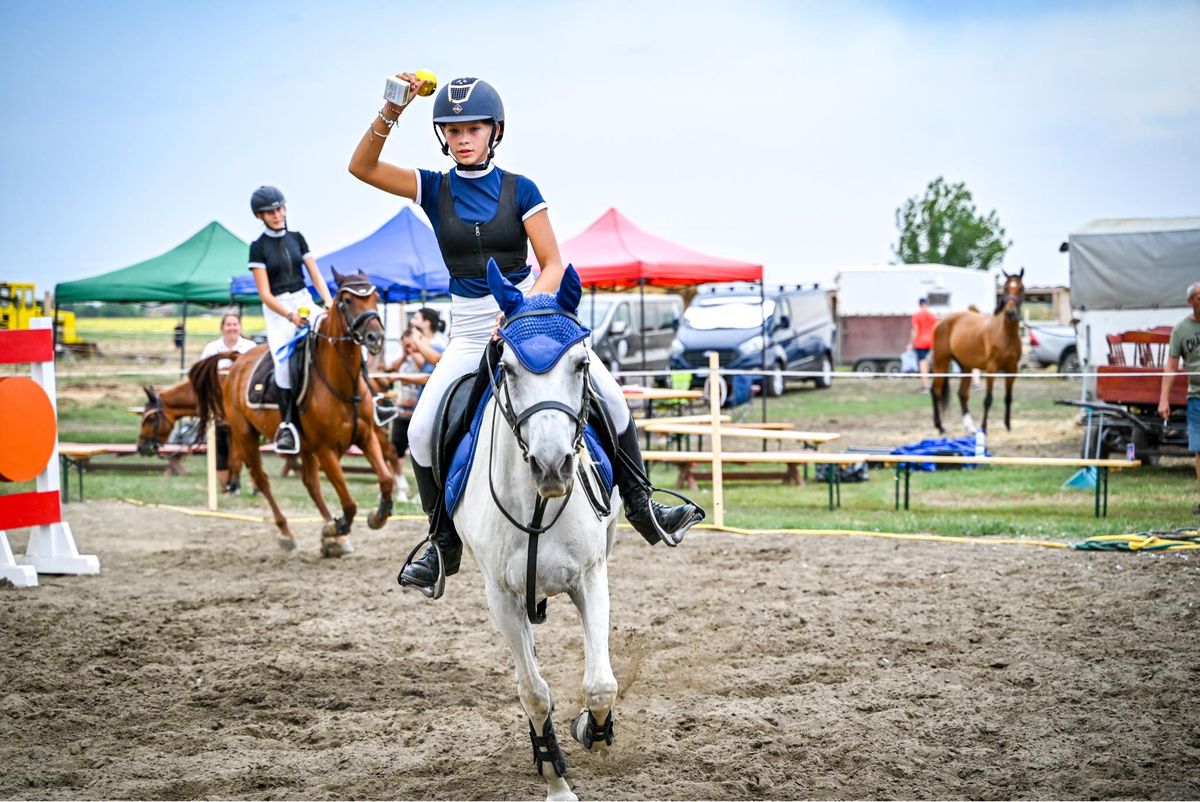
[430, 82]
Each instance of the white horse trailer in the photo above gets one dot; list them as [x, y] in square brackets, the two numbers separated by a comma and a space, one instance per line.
[875, 305]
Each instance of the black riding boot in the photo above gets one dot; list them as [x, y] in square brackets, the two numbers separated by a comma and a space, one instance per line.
[287, 436]
[646, 515]
[423, 572]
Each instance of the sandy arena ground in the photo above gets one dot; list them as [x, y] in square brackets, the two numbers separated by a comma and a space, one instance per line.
[205, 663]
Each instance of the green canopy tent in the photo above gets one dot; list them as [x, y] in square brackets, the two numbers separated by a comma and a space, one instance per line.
[195, 271]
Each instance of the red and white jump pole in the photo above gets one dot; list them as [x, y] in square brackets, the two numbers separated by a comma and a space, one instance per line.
[29, 449]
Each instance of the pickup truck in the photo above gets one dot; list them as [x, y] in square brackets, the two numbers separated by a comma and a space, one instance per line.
[1053, 344]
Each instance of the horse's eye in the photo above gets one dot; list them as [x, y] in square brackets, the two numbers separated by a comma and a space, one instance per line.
[581, 366]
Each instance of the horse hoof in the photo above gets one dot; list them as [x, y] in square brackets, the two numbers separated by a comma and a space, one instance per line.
[286, 543]
[335, 548]
[329, 530]
[376, 521]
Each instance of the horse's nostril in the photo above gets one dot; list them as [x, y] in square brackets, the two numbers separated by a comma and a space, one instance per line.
[568, 465]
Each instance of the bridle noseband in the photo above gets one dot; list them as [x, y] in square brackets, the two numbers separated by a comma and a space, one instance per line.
[355, 326]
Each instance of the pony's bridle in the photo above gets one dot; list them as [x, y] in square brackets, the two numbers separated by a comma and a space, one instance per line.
[534, 610]
[160, 419]
[497, 378]
[355, 326]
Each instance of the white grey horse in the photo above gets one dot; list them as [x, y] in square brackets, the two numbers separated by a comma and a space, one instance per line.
[528, 473]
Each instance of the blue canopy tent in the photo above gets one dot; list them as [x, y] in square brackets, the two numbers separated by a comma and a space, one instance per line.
[402, 258]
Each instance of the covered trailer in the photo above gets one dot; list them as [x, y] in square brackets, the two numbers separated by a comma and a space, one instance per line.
[875, 305]
[1129, 280]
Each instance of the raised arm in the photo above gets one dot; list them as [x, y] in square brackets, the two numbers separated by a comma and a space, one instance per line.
[365, 164]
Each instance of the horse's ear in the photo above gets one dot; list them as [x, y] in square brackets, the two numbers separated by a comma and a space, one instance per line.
[570, 291]
[507, 296]
[1021, 274]
[337, 277]
[150, 393]
[1004, 273]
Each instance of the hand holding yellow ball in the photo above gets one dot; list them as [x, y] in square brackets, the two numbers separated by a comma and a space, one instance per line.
[430, 85]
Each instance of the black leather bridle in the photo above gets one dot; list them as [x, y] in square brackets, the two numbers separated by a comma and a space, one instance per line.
[536, 611]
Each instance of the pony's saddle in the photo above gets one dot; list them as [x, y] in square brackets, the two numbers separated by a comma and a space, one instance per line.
[262, 393]
[458, 423]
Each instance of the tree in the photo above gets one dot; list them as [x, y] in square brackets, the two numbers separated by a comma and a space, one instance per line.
[944, 228]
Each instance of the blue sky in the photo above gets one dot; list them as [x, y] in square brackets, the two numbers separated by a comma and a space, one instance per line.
[784, 133]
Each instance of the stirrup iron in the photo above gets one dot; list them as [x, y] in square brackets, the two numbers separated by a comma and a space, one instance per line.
[439, 584]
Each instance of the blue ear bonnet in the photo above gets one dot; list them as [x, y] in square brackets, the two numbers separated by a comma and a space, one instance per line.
[539, 341]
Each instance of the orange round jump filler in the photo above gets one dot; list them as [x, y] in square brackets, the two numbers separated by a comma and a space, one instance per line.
[30, 429]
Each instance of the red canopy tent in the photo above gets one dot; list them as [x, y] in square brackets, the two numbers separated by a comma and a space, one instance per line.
[614, 252]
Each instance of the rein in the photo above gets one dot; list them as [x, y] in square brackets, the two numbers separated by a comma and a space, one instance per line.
[534, 610]
[355, 336]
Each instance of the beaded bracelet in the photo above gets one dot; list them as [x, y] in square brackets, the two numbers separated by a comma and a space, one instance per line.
[386, 121]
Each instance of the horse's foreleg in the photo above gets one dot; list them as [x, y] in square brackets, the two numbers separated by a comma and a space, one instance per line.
[310, 476]
[335, 535]
[1008, 385]
[964, 398]
[387, 481]
[594, 724]
[987, 401]
[536, 699]
[244, 447]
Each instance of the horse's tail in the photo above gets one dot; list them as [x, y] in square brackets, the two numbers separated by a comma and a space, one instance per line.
[206, 382]
[940, 359]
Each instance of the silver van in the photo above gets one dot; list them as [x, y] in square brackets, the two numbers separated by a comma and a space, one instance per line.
[627, 338]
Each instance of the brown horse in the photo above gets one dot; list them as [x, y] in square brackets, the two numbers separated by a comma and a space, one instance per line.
[991, 343]
[161, 411]
[337, 413]
[164, 407]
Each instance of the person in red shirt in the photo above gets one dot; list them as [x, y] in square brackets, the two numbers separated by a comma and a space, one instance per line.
[921, 340]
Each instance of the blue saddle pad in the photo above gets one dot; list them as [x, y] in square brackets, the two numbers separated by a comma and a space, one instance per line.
[464, 455]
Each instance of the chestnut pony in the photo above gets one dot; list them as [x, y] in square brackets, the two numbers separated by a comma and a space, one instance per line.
[991, 343]
[337, 412]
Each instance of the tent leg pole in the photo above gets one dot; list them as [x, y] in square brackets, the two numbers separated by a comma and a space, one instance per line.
[183, 342]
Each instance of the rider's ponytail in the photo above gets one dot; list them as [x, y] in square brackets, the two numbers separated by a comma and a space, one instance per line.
[436, 323]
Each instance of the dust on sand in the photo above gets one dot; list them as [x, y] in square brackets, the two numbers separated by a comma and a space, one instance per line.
[203, 662]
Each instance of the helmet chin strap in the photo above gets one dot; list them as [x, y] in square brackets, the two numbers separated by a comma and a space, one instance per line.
[493, 141]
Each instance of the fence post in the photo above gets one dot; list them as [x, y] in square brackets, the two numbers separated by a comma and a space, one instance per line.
[714, 406]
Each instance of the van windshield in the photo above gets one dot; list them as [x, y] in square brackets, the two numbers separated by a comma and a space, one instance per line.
[740, 313]
[585, 313]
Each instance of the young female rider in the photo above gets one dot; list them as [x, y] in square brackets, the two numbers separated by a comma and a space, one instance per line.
[276, 259]
[479, 212]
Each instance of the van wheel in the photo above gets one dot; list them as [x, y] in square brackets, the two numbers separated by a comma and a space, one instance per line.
[774, 383]
[722, 390]
[825, 380]
[1069, 363]
[866, 366]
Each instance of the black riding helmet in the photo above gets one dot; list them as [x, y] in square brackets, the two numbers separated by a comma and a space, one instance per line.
[265, 199]
[469, 100]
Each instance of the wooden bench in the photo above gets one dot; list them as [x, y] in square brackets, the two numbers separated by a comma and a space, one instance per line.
[902, 462]
[688, 476]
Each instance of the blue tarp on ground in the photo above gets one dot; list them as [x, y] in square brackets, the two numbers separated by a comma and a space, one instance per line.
[940, 447]
[402, 258]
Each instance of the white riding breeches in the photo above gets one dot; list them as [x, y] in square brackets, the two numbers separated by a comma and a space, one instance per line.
[469, 336]
[280, 330]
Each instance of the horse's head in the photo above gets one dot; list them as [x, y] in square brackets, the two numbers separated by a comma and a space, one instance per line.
[1012, 295]
[157, 423]
[542, 382]
[357, 305]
